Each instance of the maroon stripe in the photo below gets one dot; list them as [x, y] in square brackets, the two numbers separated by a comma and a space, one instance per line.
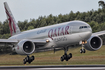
[10, 21]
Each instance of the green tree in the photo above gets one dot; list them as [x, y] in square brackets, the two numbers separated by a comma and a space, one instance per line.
[30, 27]
[102, 4]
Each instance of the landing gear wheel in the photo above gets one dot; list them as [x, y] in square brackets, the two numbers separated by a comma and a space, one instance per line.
[62, 58]
[84, 51]
[70, 54]
[66, 59]
[29, 62]
[28, 59]
[32, 57]
[24, 61]
[81, 51]
[65, 56]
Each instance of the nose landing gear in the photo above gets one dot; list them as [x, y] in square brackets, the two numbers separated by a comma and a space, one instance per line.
[83, 50]
[28, 59]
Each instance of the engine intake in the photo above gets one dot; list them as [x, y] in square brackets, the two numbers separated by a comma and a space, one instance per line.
[25, 47]
[28, 46]
[93, 43]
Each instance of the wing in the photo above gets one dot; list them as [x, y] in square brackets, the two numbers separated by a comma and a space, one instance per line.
[99, 33]
[39, 40]
[39, 43]
[14, 41]
[8, 41]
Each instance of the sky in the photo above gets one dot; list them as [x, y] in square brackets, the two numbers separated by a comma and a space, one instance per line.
[32, 9]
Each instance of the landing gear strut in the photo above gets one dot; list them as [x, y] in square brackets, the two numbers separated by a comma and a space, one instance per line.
[83, 50]
[65, 56]
[28, 59]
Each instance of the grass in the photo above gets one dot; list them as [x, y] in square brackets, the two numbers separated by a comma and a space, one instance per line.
[51, 58]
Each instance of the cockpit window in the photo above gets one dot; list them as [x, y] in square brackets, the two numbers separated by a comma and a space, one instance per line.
[85, 26]
[81, 27]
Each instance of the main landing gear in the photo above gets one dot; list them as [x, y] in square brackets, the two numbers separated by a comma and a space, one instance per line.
[83, 50]
[65, 56]
[28, 59]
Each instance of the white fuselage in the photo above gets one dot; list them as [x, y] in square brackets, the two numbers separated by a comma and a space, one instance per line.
[60, 34]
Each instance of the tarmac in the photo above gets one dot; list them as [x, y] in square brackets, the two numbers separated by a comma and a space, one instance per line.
[60, 67]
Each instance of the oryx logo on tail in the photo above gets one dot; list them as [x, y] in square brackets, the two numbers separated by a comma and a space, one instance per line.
[11, 23]
[14, 29]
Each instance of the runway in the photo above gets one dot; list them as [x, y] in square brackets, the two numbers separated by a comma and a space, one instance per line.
[60, 67]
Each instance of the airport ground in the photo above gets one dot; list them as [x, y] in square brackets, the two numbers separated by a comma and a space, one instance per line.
[51, 58]
[55, 67]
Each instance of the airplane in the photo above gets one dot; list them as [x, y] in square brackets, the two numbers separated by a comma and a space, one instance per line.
[58, 36]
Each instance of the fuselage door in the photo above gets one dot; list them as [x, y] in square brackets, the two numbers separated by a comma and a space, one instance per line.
[70, 31]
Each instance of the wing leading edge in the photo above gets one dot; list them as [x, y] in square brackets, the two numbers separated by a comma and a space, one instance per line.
[16, 41]
[99, 33]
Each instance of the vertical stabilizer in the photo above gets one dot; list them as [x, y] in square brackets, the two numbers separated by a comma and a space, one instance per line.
[14, 29]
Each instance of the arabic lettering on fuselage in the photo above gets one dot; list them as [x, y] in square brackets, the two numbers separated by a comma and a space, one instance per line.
[60, 39]
[58, 32]
[41, 31]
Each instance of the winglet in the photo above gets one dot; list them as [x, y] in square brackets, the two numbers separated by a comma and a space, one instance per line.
[14, 29]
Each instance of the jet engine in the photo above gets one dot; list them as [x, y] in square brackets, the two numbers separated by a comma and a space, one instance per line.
[25, 47]
[93, 43]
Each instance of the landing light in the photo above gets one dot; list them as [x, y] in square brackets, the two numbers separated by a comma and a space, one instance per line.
[47, 41]
[84, 42]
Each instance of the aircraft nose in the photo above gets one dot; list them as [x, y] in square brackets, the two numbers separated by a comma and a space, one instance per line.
[90, 29]
[89, 33]
[86, 35]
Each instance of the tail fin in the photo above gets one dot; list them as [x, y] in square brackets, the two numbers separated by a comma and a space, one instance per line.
[14, 29]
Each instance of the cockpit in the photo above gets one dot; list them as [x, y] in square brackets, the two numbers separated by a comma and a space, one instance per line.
[81, 27]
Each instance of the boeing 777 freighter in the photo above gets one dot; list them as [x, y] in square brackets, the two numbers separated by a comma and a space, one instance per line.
[61, 36]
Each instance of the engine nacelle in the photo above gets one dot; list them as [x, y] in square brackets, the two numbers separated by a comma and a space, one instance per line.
[25, 47]
[93, 43]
